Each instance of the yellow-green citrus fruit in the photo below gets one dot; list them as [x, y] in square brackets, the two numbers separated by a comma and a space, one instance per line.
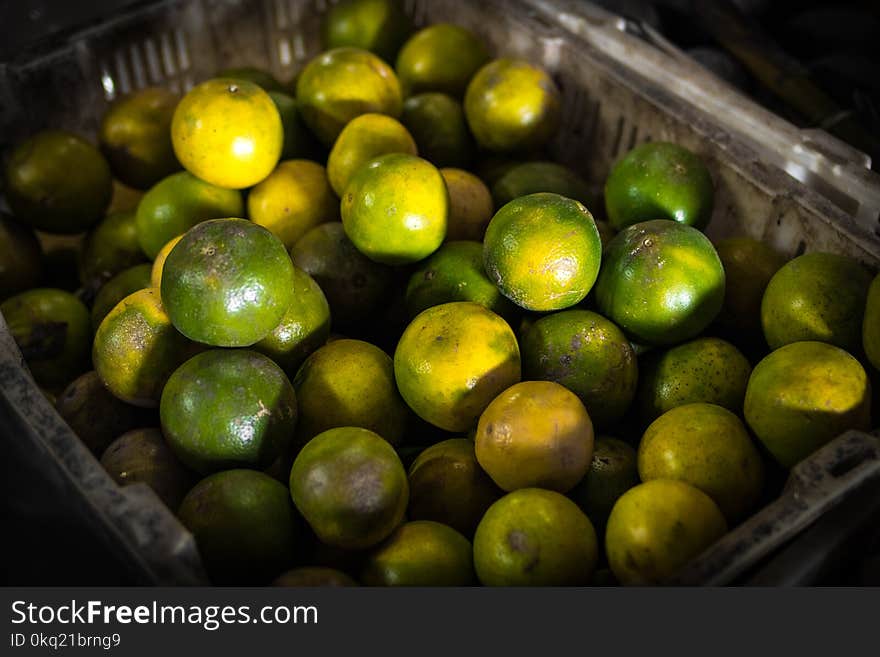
[137, 348]
[295, 198]
[707, 370]
[421, 553]
[708, 447]
[58, 182]
[313, 576]
[350, 486]
[453, 360]
[543, 251]
[803, 395]
[395, 208]
[535, 434]
[659, 180]
[817, 296]
[441, 57]
[535, 537]
[365, 138]
[349, 383]
[512, 105]
[299, 142]
[228, 133]
[227, 283]
[135, 137]
[340, 84]
[661, 282]
[656, 527]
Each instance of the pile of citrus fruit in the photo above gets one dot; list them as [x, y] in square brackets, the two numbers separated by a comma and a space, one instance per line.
[360, 328]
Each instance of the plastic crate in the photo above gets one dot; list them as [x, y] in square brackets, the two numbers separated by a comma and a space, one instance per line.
[608, 107]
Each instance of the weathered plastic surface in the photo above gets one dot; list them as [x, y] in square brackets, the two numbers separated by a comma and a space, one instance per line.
[608, 107]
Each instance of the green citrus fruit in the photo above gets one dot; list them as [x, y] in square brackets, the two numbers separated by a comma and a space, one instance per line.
[454, 359]
[587, 354]
[299, 142]
[703, 370]
[436, 122]
[176, 204]
[535, 537]
[661, 282]
[455, 273]
[613, 471]
[380, 26]
[313, 576]
[159, 262]
[226, 409]
[659, 180]
[303, 328]
[58, 182]
[109, 248]
[533, 177]
[369, 491]
[21, 257]
[748, 267]
[353, 284]
[135, 137]
[543, 251]
[227, 283]
[52, 329]
[244, 526]
[116, 289]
